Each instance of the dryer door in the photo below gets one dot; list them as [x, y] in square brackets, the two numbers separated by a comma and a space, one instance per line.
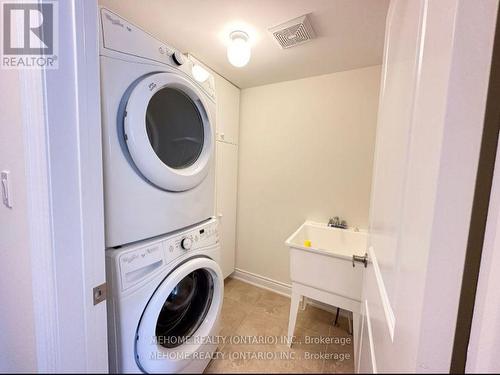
[180, 322]
[168, 131]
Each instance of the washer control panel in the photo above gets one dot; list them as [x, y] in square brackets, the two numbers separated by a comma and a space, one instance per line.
[186, 243]
[138, 262]
[196, 238]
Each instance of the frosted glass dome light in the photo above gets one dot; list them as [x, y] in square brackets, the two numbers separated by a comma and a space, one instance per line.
[199, 73]
[239, 51]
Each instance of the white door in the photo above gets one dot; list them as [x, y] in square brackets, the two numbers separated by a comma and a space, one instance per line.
[393, 135]
[226, 195]
[423, 182]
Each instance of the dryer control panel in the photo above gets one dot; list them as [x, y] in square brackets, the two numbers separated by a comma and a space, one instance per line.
[119, 35]
[136, 262]
[122, 36]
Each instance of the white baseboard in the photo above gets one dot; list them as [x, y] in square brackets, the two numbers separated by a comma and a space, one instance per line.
[262, 282]
[279, 287]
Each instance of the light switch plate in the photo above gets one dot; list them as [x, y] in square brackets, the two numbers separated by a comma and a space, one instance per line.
[6, 190]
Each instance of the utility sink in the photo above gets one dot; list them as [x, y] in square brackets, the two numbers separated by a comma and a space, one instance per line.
[327, 263]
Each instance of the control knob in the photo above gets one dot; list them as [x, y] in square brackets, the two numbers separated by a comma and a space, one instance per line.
[186, 243]
[178, 58]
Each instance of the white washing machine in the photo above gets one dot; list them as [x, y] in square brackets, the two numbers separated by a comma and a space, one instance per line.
[166, 298]
[158, 135]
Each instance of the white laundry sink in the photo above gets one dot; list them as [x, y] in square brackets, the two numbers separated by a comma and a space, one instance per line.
[327, 264]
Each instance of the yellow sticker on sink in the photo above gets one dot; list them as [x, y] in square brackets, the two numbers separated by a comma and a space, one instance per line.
[307, 243]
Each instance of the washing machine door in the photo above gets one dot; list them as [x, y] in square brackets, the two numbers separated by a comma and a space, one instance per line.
[180, 323]
[168, 131]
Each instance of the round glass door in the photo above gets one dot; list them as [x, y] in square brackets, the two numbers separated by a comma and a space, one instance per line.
[168, 131]
[182, 313]
[185, 309]
[174, 127]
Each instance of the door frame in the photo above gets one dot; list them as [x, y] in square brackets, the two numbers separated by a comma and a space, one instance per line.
[434, 306]
[479, 215]
[65, 204]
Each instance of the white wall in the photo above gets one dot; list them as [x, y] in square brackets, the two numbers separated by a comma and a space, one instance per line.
[306, 153]
[17, 338]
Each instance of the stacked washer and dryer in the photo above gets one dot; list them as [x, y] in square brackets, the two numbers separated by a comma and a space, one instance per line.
[164, 282]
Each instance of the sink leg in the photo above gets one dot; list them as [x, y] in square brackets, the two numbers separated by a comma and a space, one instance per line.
[294, 307]
[336, 317]
[356, 320]
[303, 305]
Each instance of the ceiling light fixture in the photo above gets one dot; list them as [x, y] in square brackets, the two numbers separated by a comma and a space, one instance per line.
[238, 50]
[199, 73]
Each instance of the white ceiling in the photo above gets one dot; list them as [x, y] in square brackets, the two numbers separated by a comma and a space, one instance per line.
[349, 34]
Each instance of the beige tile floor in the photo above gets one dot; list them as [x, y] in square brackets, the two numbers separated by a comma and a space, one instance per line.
[260, 318]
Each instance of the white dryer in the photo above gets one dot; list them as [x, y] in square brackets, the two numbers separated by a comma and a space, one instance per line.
[158, 135]
[166, 298]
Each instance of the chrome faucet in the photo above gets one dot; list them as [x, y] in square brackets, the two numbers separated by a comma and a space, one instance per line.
[335, 222]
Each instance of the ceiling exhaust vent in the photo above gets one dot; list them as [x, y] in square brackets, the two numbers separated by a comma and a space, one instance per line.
[293, 32]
